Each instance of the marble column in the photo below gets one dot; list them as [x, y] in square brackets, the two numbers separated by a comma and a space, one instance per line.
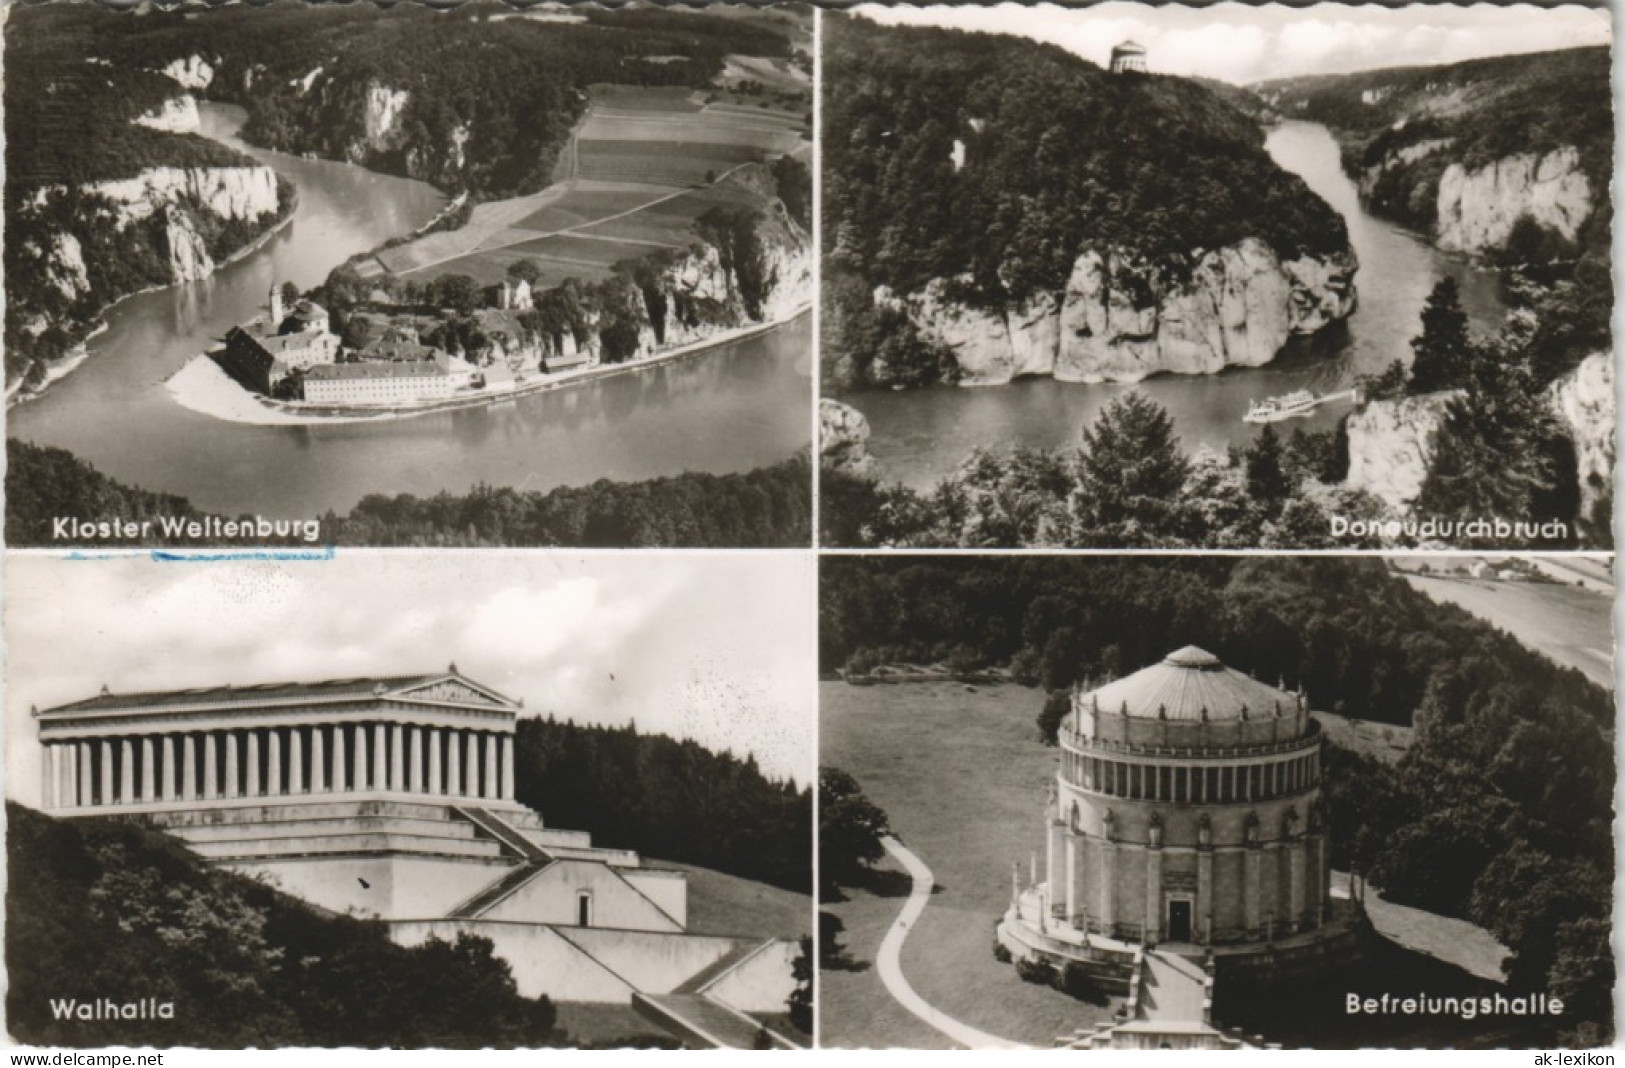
[126, 765]
[318, 760]
[51, 782]
[106, 791]
[253, 760]
[337, 785]
[87, 774]
[437, 757]
[296, 760]
[397, 778]
[273, 762]
[234, 782]
[492, 789]
[508, 783]
[454, 767]
[169, 767]
[471, 770]
[211, 785]
[1071, 878]
[380, 756]
[189, 790]
[359, 782]
[414, 764]
[149, 781]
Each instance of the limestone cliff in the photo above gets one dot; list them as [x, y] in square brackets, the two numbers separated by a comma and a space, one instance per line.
[843, 440]
[1122, 319]
[1391, 445]
[178, 114]
[1478, 208]
[241, 193]
[1584, 401]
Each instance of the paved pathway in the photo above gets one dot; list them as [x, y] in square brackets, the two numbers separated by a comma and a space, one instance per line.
[889, 962]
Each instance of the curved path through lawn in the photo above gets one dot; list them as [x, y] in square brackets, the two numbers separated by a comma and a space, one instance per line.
[889, 961]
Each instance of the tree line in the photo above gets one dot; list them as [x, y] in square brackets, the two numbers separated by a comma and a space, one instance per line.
[104, 909]
[675, 800]
[767, 507]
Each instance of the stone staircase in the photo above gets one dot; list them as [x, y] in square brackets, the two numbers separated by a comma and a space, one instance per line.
[706, 1024]
[1169, 1007]
[534, 859]
[498, 828]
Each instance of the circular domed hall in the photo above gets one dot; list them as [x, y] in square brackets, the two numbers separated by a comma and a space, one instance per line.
[1185, 814]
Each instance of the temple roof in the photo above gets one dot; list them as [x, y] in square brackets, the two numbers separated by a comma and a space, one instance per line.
[1133, 47]
[373, 686]
[1190, 684]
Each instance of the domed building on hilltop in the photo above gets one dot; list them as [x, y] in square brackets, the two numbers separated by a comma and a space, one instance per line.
[1185, 818]
[1128, 57]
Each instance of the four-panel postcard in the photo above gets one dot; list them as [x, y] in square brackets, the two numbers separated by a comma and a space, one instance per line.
[532, 524]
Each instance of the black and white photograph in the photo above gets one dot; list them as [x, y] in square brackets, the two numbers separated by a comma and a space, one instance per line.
[389, 275]
[1123, 276]
[410, 801]
[1205, 802]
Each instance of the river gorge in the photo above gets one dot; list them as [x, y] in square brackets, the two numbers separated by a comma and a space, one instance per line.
[919, 436]
[115, 412]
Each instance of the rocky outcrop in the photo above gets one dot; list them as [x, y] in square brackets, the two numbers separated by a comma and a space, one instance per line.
[65, 267]
[843, 440]
[1583, 400]
[245, 193]
[380, 118]
[192, 72]
[1478, 208]
[1372, 176]
[177, 115]
[188, 253]
[1391, 446]
[1121, 319]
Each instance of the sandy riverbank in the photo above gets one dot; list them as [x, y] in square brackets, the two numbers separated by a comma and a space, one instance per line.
[201, 386]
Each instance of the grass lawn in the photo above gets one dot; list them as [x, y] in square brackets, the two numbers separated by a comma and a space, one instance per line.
[1572, 626]
[961, 774]
[728, 905]
[1380, 741]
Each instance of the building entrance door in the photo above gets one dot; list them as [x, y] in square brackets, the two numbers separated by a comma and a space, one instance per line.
[1179, 921]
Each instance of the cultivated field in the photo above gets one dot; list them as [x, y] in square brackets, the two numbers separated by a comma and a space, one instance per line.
[642, 165]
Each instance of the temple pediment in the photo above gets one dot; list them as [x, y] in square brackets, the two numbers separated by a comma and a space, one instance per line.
[453, 690]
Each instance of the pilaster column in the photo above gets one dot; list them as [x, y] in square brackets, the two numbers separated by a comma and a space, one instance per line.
[253, 759]
[454, 765]
[273, 762]
[380, 755]
[414, 764]
[1296, 848]
[1204, 894]
[1252, 863]
[359, 767]
[1153, 895]
[1071, 878]
[149, 781]
[126, 771]
[169, 767]
[189, 789]
[1108, 887]
[508, 784]
[296, 760]
[491, 790]
[437, 758]
[471, 769]
[397, 780]
[211, 786]
[234, 782]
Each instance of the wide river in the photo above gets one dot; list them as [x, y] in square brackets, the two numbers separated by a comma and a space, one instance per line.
[921, 435]
[742, 406]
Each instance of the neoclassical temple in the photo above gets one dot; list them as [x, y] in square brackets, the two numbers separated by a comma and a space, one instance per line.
[1184, 822]
[395, 798]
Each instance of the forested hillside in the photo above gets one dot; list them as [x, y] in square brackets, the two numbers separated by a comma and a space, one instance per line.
[1501, 812]
[103, 909]
[767, 507]
[995, 162]
[675, 800]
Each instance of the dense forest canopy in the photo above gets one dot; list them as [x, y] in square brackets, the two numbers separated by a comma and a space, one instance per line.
[767, 507]
[674, 800]
[1500, 812]
[109, 910]
[1058, 156]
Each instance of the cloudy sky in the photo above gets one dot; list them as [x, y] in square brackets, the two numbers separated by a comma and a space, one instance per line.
[1241, 44]
[715, 648]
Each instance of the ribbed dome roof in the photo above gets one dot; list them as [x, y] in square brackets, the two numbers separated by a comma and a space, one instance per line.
[1129, 46]
[1190, 684]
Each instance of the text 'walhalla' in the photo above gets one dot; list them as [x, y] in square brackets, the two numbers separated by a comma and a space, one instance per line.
[109, 1009]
